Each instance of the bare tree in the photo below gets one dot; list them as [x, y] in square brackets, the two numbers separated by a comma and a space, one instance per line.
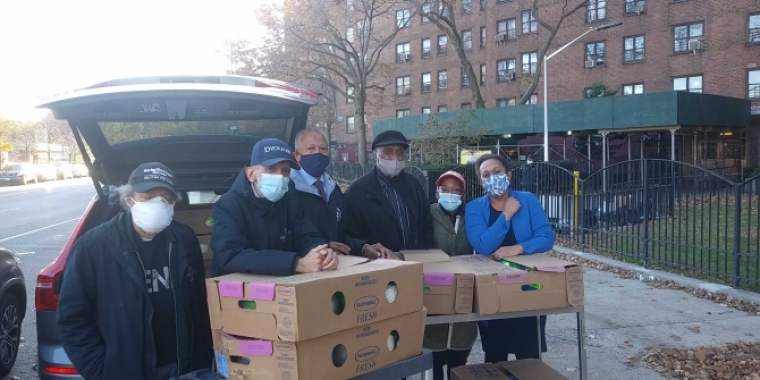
[442, 13]
[337, 45]
[23, 137]
[5, 139]
[567, 10]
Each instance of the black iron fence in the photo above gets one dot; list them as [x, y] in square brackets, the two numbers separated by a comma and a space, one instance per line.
[660, 213]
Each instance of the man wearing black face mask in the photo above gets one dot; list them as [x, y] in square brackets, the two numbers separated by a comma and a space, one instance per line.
[387, 205]
[320, 197]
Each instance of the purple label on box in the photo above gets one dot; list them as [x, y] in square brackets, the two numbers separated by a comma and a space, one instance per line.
[255, 347]
[513, 277]
[231, 289]
[552, 268]
[261, 291]
[439, 278]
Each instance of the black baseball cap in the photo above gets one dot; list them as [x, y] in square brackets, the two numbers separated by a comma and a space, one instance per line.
[389, 137]
[153, 175]
[269, 152]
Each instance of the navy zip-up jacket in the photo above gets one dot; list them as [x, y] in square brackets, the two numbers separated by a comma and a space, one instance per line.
[254, 235]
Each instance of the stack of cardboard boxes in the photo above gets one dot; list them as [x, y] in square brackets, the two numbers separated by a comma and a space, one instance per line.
[202, 222]
[328, 325]
[528, 369]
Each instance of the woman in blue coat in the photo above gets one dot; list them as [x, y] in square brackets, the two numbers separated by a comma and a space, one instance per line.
[506, 223]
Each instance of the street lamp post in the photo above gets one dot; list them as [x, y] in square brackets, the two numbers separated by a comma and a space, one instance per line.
[546, 81]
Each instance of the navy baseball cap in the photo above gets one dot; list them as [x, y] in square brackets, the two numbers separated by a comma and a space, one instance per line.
[269, 152]
[153, 175]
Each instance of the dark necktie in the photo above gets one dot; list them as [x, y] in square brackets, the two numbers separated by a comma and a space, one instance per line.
[321, 188]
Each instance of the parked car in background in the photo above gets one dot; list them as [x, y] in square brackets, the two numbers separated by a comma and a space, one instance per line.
[18, 174]
[63, 170]
[46, 172]
[80, 170]
[204, 159]
[12, 309]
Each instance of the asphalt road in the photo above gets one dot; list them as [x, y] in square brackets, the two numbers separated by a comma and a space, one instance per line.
[35, 222]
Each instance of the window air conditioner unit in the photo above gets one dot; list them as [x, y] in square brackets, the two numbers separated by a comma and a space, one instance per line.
[695, 45]
[403, 57]
[639, 8]
[600, 62]
[407, 56]
[408, 91]
[590, 64]
[510, 75]
[501, 37]
[426, 88]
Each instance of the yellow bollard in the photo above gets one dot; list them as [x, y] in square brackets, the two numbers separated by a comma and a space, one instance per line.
[576, 194]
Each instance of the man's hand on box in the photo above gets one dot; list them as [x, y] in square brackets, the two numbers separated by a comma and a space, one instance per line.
[312, 262]
[340, 248]
[330, 260]
[377, 251]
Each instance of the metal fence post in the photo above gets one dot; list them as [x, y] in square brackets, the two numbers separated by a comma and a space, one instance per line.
[647, 210]
[737, 231]
[582, 195]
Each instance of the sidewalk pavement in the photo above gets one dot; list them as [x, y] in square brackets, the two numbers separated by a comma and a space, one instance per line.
[624, 317]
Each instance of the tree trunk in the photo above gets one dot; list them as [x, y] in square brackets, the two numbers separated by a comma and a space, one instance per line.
[362, 131]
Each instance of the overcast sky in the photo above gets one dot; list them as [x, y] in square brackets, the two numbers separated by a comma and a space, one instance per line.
[53, 46]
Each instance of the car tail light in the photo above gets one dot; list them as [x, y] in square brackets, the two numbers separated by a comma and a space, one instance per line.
[46, 294]
[60, 370]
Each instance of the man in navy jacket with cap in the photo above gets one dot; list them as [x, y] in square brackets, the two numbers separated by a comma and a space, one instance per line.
[259, 228]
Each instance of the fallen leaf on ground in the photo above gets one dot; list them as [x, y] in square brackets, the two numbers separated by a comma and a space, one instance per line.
[733, 361]
[695, 329]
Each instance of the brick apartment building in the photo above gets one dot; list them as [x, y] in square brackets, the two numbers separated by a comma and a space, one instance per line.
[708, 46]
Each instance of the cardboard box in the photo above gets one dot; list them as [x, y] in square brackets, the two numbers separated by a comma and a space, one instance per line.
[307, 306]
[342, 355]
[561, 283]
[201, 220]
[447, 287]
[528, 369]
[205, 241]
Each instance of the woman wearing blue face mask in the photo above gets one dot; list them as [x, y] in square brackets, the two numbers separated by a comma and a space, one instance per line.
[506, 223]
[451, 343]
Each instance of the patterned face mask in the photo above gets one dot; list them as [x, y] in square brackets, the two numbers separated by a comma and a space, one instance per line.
[496, 185]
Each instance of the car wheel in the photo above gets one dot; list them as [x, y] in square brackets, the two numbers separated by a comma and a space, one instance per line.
[10, 332]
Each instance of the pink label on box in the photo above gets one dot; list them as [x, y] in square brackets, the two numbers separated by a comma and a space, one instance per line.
[552, 268]
[513, 277]
[261, 291]
[231, 289]
[439, 278]
[255, 347]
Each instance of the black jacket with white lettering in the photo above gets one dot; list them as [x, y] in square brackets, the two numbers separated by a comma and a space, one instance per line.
[105, 311]
[254, 235]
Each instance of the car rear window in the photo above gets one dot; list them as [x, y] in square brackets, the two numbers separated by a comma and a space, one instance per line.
[120, 132]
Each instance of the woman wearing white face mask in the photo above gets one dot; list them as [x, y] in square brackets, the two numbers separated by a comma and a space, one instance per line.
[506, 223]
[450, 348]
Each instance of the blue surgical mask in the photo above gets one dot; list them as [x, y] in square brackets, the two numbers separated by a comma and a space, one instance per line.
[449, 202]
[272, 186]
[315, 164]
[496, 185]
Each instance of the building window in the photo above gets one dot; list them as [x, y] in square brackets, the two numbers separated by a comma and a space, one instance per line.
[403, 18]
[634, 6]
[753, 81]
[467, 40]
[529, 63]
[529, 23]
[502, 1]
[426, 82]
[596, 10]
[466, 106]
[426, 48]
[682, 34]
[501, 102]
[482, 37]
[465, 79]
[483, 74]
[506, 30]
[483, 5]
[403, 85]
[634, 49]
[443, 44]
[425, 110]
[633, 89]
[402, 113]
[753, 29]
[425, 11]
[534, 99]
[595, 52]
[350, 5]
[466, 6]
[505, 70]
[350, 35]
[350, 126]
[443, 109]
[690, 84]
[349, 94]
[443, 10]
[403, 52]
[443, 80]
[360, 29]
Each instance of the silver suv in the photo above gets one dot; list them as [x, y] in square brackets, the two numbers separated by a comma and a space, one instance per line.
[201, 127]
